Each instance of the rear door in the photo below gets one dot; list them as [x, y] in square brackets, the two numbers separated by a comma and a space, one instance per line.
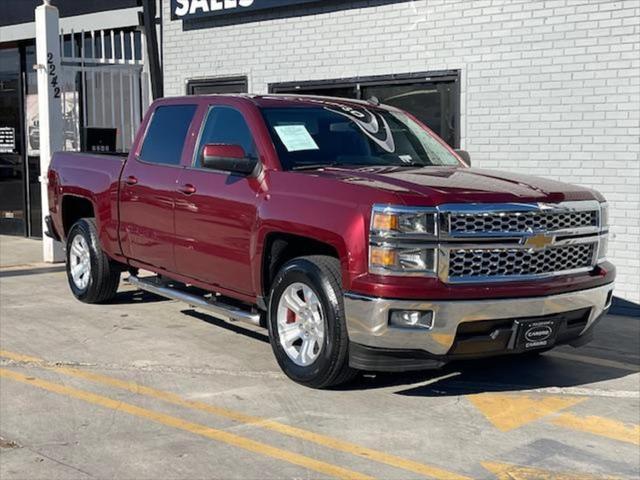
[216, 211]
[149, 187]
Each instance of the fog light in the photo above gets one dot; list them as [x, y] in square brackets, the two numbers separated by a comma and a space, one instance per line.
[411, 319]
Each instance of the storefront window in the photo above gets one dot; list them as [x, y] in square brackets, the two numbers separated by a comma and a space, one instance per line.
[12, 213]
[210, 86]
[432, 97]
[432, 103]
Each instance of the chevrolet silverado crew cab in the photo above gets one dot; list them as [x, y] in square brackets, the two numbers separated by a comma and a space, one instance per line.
[348, 229]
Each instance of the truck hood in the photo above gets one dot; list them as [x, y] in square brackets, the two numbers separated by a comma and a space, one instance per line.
[460, 185]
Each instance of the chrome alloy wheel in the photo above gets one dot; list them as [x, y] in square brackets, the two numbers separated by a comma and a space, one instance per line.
[301, 324]
[80, 262]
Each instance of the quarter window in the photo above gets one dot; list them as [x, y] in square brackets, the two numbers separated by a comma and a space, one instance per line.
[226, 125]
[165, 137]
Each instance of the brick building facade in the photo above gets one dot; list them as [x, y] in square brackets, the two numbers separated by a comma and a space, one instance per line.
[549, 88]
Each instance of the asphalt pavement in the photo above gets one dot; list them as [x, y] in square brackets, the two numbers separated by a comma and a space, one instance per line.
[147, 388]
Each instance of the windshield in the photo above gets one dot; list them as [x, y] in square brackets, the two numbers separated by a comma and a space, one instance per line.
[334, 134]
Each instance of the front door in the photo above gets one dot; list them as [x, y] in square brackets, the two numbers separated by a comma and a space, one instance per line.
[216, 216]
[149, 188]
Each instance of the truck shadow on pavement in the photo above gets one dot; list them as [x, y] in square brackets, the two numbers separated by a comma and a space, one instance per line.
[136, 296]
[232, 327]
[613, 354]
[497, 375]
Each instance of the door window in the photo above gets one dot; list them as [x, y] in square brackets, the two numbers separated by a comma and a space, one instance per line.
[166, 134]
[226, 125]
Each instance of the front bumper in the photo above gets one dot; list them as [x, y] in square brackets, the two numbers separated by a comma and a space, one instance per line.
[369, 330]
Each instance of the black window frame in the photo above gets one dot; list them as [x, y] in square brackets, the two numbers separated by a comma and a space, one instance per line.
[358, 83]
[196, 150]
[241, 81]
[139, 156]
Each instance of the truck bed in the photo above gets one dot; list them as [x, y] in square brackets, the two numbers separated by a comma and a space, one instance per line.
[91, 176]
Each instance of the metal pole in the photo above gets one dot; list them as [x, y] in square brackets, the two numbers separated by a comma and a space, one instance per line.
[153, 54]
[49, 109]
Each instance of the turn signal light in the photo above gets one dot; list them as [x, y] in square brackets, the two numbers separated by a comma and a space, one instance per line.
[383, 257]
[384, 221]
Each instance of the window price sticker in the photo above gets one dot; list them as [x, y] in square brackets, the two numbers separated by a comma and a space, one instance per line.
[296, 138]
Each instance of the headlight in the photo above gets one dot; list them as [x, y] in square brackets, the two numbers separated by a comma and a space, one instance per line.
[403, 240]
[388, 260]
[603, 243]
[604, 216]
[602, 248]
[405, 221]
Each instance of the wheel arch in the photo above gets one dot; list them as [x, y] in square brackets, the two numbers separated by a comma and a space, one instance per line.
[280, 247]
[73, 209]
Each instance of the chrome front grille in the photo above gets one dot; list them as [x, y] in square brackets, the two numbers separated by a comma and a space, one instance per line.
[478, 263]
[510, 222]
[518, 241]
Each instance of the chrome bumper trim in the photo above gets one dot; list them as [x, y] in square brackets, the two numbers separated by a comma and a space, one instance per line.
[367, 317]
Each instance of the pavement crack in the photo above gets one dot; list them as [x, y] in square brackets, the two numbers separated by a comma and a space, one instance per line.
[60, 462]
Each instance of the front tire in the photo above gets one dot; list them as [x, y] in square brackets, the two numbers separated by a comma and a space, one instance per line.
[92, 276]
[306, 323]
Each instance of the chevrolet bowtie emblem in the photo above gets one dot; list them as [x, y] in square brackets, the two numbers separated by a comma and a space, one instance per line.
[539, 241]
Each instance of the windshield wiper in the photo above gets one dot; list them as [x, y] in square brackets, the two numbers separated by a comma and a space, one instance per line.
[411, 164]
[314, 166]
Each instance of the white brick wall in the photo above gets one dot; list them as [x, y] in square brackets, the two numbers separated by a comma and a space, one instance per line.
[550, 88]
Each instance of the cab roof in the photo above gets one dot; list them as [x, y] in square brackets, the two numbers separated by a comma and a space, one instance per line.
[291, 100]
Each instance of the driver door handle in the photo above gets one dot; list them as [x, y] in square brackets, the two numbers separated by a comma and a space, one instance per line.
[131, 180]
[187, 189]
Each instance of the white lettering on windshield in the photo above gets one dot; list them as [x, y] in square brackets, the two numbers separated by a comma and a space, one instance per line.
[371, 127]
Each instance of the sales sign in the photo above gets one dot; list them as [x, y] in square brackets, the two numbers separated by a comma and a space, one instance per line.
[186, 9]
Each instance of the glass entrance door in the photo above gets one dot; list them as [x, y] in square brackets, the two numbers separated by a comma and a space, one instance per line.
[12, 213]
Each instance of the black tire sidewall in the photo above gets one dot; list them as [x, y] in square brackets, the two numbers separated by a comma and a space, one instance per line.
[87, 230]
[304, 271]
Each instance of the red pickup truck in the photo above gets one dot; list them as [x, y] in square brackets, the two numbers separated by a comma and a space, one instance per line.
[347, 228]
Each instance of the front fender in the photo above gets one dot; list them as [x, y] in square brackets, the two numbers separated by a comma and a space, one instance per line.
[342, 227]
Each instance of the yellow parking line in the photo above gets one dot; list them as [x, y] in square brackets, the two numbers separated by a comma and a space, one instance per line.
[325, 441]
[604, 427]
[202, 430]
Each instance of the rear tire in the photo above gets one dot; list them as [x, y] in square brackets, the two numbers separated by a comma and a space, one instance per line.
[92, 276]
[317, 315]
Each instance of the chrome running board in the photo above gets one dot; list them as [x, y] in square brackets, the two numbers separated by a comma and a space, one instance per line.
[219, 309]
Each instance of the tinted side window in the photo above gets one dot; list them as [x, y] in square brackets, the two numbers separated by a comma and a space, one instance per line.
[166, 134]
[226, 125]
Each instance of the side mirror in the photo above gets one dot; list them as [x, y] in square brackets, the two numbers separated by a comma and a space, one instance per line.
[227, 158]
[464, 155]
